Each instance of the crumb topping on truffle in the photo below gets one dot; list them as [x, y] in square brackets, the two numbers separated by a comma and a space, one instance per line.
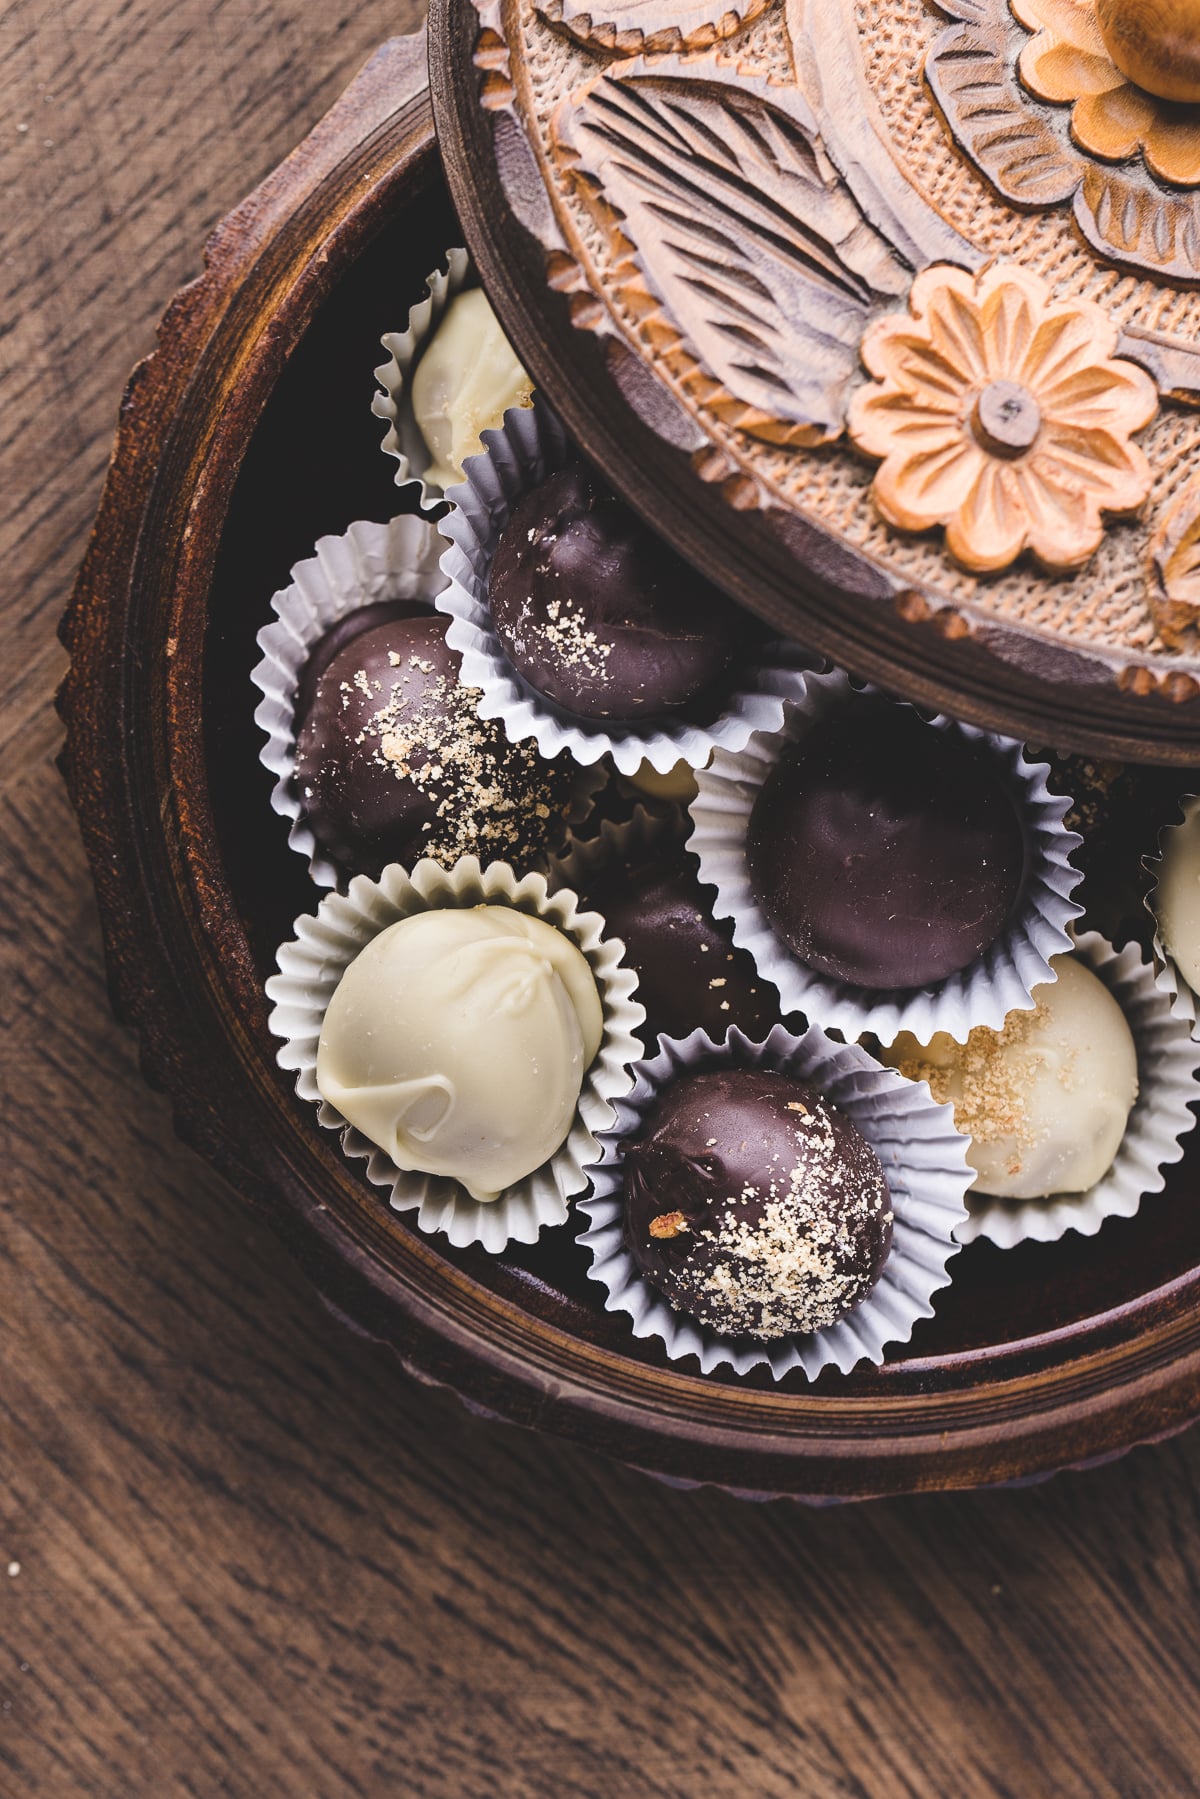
[398, 713]
[788, 1266]
[759, 1213]
[990, 1079]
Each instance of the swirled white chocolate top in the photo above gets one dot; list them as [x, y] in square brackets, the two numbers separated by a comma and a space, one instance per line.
[458, 1040]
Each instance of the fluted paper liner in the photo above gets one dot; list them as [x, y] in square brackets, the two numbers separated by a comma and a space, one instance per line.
[393, 404]
[923, 1158]
[644, 831]
[311, 966]
[366, 564]
[999, 982]
[1167, 978]
[1168, 1062]
[531, 446]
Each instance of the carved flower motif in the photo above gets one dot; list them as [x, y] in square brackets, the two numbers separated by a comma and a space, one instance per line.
[1002, 415]
[1067, 62]
[1037, 153]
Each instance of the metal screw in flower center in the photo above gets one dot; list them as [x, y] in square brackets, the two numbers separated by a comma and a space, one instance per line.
[1005, 419]
[1155, 43]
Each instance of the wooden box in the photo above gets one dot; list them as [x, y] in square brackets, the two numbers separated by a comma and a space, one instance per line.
[246, 435]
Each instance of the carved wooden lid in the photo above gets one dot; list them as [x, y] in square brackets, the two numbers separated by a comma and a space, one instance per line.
[887, 312]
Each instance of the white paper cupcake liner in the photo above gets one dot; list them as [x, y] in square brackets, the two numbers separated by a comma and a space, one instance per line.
[311, 966]
[923, 1157]
[1167, 978]
[393, 404]
[531, 446]
[367, 564]
[1168, 1064]
[1000, 982]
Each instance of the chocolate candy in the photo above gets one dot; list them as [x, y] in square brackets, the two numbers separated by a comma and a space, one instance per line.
[689, 973]
[466, 379]
[393, 763]
[1045, 1101]
[458, 1040]
[885, 853]
[600, 616]
[754, 1205]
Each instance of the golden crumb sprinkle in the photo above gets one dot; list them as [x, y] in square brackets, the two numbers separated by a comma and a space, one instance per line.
[995, 1071]
[484, 790]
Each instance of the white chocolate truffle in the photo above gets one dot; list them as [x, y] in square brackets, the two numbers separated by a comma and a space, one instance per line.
[1177, 899]
[465, 382]
[458, 1040]
[1046, 1099]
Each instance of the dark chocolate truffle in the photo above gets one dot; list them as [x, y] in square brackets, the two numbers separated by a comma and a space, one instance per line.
[754, 1205]
[393, 763]
[886, 853]
[689, 973]
[599, 615]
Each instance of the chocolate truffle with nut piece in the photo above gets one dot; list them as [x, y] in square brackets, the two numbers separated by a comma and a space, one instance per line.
[754, 1205]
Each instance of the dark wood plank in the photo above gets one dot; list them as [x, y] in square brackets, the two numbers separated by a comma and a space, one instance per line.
[253, 1558]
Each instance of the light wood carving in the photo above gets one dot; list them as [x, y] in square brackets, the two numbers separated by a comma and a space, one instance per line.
[1175, 564]
[1156, 43]
[1050, 119]
[734, 225]
[742, 235]
[1068, 62]
[1002, 416]
[633, 26]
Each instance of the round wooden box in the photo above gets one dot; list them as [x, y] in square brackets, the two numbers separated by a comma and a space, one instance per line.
[245, 436]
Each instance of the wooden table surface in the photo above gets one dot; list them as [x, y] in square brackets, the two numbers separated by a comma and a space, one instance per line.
[244, 1554]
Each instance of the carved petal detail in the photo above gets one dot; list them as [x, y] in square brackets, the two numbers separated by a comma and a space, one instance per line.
[1022, 140]
[1175, 565]
[970, 69]
[1002, 415]
[633, 26]
[746, 246]
[1123, 218]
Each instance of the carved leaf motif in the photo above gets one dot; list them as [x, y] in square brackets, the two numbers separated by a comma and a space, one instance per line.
[971, 70]
[1128, 219]
[1175, 560]
[743, 233]
[651, 25]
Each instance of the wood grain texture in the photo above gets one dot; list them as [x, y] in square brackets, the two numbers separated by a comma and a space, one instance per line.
[254, 1560]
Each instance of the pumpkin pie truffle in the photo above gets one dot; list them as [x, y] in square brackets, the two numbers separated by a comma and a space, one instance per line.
[887, 854]
[1044, 1101]
[393, 762]
[458, 1041]
[600, 616]
[755, 1206]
